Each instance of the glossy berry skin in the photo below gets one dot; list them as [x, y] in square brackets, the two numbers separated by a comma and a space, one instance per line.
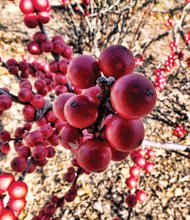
[5, 102]
[83, 71]
[133, 96]
[59, 103]
[116, 61]
[70, 137]
[80, 111]
[26, 6]
[41, 5]
[17, 189]
[141, 195]
[131, 182]
[29, 113]
[17, 204]
[148, 167]
[39, 152]
[7, 214]
[5, 180]
[4, 135]
[19, 164]
[118, 155]
[31, 20]
[131, 200]
[92, 93]
[124, 135]
[94, 155]
[134, 171]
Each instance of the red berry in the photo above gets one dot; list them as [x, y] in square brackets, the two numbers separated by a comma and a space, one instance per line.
[59, 103]
[148, 167]
[31, 20]
[131, 200]
[116, 61]
[41, 5]
[131, 182]
[133, 96]
[118, 155]
[94, 155]
[17, 204]
[26, 6]
[4, 136]
[70, 137]
[39, 152]
[7, 214]
[134, 171]
[140, 161]
[124, 135]
[80, 111]
[49, 209]
[83, 71]
[34, 48]
[141, 195]
[5, 180]
[43, 17]
[38, 101]
[19, 164]
[5, 102]
[29, 113]
[25, 94]
[17, 190]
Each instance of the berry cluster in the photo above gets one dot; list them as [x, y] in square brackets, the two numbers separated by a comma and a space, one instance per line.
[139, 157]
[105, 124]
[35, 12]
[179, 131]
[12, 196]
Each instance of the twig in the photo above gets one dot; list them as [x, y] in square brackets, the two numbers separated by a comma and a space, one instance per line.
[167, 146]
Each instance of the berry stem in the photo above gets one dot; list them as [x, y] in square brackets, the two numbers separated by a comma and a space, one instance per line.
[130, 212]
[22, 176]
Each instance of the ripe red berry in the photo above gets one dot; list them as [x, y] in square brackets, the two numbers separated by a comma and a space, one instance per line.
[41, 5]
[124, 135]
[134, 171]
[34, 48]
[133, 96]
[5, 180]
[80, 111]
[7, 214]
[17, 204]
[4, 136]
[116, 61]
[131, 200]
[25, 94]
[94, 155]
[141, 195]
[19, 163]
[31, 20]
[29, 113]
[17, 189]
[140, 161]
[70, 137]
[26, 6]
[83, 71]
[59, 103]
[118, 155]
[49, 209]
[39, 152]
[37, 101]
[148, 167]
[131, 182]
[43, 17]
[5, 102]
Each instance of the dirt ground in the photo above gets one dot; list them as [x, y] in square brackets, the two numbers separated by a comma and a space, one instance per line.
[102, 196]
